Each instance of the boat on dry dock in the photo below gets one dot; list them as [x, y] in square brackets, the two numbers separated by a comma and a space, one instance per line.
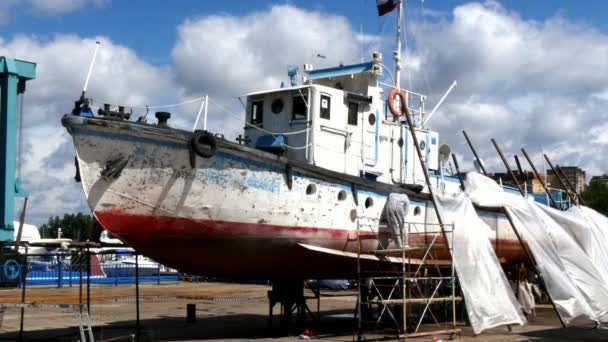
[314, 166]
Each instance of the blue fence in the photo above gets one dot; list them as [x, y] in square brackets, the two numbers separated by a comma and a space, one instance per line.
[65, 274]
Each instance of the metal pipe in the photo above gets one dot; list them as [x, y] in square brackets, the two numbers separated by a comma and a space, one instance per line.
[397, 55]
[539, 179]
[23, 288]
[86, 82]
[483, 168]
[504, 160]
[440, 102]
[205, 113]
[519, 169]
[21, 222]
[458, 171]
[137, 323]
[198, 115]
[560, 180]
[559, 169]
[89, 281]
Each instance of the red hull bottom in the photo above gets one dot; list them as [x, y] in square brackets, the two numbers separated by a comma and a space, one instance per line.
[250, 251]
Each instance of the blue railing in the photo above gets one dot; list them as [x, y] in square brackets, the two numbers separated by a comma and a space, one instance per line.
[62, 273]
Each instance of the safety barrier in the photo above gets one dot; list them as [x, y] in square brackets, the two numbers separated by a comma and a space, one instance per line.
[63, 273]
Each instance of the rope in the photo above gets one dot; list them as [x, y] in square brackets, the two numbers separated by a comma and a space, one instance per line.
[156, 107]
[225, 110]
[296, 148]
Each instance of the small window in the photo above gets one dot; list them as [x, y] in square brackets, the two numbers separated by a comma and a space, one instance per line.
[341, 195]
[311, 189]
[257, 112]
[299, 108]
[325, 106]
[371, 119]
[353, 113]
[276, 106]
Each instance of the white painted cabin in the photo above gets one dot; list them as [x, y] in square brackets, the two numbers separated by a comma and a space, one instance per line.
[351, 130]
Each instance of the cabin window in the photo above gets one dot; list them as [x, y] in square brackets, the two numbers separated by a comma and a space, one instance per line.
[276, 106]
[325, 106]
[257, 112]
[353, 111]
[299, 108]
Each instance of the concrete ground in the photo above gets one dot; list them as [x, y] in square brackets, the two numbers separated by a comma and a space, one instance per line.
[224, 312]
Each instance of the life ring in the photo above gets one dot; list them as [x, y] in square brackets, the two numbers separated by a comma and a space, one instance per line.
[203, 143]
[391, 102]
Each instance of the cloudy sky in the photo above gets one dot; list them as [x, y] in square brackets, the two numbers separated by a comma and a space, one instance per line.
[531, 74]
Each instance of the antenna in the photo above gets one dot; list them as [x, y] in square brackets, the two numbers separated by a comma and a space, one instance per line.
[86, 82]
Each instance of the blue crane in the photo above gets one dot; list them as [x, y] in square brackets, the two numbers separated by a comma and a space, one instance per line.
[14, 74]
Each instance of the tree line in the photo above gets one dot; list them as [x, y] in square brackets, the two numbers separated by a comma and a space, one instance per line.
[77, 227]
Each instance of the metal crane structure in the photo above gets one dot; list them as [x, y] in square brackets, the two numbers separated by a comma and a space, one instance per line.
[14, 74]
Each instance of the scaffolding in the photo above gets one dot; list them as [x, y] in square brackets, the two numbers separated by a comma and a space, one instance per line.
[408, 282]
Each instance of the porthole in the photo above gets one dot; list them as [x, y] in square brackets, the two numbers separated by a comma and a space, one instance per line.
[422, 146]
[417, 211]
[371, 119]
[311, 189]
[276, 106]
[341, 195]
[400, 142]
[369, 202]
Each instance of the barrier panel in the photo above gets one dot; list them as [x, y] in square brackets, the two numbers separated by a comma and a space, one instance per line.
[63, 273]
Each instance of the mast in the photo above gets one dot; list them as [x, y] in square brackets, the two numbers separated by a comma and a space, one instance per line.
[397, 53]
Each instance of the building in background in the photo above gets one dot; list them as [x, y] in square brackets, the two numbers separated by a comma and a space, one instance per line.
[574, 174]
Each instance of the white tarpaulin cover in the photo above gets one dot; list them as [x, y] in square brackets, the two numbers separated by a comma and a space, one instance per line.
[573, 282]
[580, 224]
[489, 297]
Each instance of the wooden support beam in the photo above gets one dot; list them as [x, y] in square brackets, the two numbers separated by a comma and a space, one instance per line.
[483, 168]
[540, 179]
[504, 160]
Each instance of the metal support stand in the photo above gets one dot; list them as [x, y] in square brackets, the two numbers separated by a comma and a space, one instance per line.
[137, 322]
[405, 295]
[290, 295]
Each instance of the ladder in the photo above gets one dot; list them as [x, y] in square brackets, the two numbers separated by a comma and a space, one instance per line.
[84, 323]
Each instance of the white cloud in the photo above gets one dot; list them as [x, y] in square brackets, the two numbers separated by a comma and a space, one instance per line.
[119, 76]
[58, 7]
[528, 83]
[230, 55]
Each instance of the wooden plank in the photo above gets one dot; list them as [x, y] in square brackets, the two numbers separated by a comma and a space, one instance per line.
[432, 333]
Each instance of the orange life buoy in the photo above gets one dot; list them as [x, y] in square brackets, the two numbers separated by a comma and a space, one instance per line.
[391, 102]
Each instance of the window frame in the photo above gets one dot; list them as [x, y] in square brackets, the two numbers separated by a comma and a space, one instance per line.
[257, 108]
[304, 100]
[325, 113]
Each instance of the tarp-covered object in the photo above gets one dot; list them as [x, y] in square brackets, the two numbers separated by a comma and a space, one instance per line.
[572, 281]
[489, 297]
[580, 224]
